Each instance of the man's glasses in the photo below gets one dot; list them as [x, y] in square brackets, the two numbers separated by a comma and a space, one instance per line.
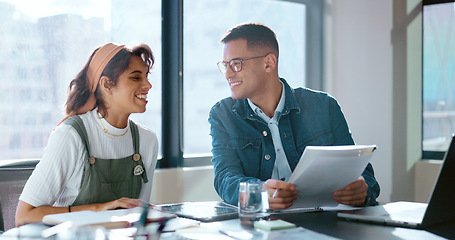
[235, 64]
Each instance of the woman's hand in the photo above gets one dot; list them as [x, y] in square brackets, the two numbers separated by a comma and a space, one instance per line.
[120, 203]
[27, 213]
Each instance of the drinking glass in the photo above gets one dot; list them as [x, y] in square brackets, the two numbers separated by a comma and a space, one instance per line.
[253, 201]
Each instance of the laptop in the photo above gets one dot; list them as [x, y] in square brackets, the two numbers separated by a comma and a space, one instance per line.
[440, 208]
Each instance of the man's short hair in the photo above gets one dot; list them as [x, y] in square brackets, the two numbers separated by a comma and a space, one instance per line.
[255, 34]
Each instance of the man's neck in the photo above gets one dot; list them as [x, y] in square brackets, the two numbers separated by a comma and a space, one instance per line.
[268, 101]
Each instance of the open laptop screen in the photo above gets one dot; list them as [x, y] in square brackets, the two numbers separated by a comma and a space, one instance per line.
[441, 207]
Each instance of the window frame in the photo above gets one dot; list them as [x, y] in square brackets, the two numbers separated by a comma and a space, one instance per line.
[172, 72]
[434, 155]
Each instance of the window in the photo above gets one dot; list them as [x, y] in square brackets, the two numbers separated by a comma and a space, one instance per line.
[44, 46]
[204, 24]
[438, 77]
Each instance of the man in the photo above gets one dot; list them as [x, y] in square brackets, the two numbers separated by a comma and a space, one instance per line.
[261, 131]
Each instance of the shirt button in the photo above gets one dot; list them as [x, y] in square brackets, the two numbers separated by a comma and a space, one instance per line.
[267, 157]
[278, 150]
[264, 133]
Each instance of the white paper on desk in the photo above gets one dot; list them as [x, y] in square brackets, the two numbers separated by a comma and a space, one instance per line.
[298, 233]
[211, 232]
[91, 217]
[325, 169]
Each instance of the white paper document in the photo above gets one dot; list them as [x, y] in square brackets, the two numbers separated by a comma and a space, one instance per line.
[325, 169]
[111, 216]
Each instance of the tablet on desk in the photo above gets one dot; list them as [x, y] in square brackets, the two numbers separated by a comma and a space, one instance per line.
[202, 211]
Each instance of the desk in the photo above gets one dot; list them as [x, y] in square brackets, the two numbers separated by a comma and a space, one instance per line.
[322, 222]
[328, 223]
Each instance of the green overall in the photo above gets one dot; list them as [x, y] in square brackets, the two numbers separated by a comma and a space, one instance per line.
[105, 180]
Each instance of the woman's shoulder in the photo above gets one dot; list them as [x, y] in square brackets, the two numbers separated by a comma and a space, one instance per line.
[64, 130]
[149, 140]
[145, 131]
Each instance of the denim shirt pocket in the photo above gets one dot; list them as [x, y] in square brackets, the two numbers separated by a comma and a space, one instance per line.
[238, 143]
[250, 153]
[323, 138]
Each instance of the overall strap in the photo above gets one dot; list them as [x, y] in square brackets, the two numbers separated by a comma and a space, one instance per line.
[137, 156]
[76, 122]
[135, 135]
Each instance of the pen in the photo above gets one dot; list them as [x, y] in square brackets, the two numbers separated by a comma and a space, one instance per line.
[140, 224]
[275, 193]
[276, 190]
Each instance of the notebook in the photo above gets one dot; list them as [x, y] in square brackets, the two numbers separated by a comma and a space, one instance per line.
[440, 208]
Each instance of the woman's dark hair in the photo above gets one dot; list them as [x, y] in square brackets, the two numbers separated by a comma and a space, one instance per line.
[79, 90]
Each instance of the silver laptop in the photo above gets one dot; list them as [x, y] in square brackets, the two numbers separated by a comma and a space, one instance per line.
[440, 208]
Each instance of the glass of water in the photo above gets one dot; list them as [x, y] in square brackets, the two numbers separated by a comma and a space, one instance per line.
[253, 201]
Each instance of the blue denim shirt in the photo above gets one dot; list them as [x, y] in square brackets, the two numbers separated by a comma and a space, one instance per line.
[242, 145]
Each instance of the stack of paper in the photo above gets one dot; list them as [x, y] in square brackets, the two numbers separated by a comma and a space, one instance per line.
[325, 169]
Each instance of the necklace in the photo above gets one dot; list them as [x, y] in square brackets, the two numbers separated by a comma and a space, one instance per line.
[106, 131]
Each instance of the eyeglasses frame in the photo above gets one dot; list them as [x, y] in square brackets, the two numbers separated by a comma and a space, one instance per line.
[235, 59]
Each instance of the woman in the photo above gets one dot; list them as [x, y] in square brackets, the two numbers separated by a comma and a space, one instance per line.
[97, 159]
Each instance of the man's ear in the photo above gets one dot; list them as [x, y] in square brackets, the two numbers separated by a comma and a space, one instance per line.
[105, 84]
[270, 62]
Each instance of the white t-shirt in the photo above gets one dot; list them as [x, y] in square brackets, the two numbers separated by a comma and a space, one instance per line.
[56, 179]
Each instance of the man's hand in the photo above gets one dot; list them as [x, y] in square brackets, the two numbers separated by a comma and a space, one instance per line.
[284, 197]
[353, 194]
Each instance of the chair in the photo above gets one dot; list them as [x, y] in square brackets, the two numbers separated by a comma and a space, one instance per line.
[13, 176]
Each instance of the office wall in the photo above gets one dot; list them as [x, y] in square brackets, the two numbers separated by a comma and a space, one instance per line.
[359, 75]
[373, 64]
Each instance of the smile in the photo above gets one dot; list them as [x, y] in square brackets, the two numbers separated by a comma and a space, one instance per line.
[234, 83]
[142, 96]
